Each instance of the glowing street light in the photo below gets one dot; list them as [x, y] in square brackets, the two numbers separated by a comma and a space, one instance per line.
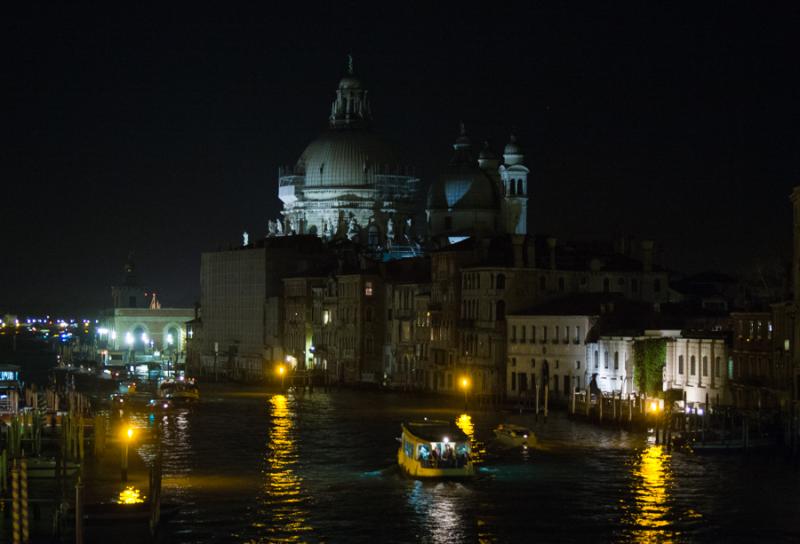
[129, 338]
[281, 373]
[170, 339]
[465, 383]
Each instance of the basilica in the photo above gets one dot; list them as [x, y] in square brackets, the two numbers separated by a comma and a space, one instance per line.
[350, 182]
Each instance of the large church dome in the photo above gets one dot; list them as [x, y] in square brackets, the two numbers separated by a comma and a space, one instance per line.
[347, 157]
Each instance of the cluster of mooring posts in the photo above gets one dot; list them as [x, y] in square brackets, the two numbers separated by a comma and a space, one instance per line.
[54, 459]
[675, 423]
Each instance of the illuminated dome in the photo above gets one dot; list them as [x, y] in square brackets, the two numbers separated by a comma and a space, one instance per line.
[349, 181]
[347, 158]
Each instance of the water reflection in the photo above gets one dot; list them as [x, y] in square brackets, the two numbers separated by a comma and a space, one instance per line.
[436, 507]
[651, 512]
[477, 449]
[130, 495]
[284, 501]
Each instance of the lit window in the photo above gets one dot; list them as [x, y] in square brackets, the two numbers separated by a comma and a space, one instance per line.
[368, 288]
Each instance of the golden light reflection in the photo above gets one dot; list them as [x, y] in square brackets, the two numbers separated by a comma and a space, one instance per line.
[130, 495]
[477, 449]
[285, 500]
[650, 514]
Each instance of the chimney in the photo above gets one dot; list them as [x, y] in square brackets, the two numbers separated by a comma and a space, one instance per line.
[551, 245]
[517, 240]
[531, 252]
[647, 256]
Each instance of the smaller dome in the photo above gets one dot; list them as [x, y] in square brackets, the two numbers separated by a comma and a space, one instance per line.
[463, 187]
[512, 147]
[487, 153]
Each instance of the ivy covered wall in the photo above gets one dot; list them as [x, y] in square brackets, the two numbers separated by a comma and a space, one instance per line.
[648, 365]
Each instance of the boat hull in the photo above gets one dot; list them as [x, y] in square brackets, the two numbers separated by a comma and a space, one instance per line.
[414, 469]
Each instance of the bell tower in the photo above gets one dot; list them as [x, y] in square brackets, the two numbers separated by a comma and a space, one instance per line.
[514, 178]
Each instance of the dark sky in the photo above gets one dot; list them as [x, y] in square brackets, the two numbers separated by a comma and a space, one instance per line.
[161, 130]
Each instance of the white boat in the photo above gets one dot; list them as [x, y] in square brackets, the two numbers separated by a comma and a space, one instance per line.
[515, 436]
[179, 390]
[434, 449]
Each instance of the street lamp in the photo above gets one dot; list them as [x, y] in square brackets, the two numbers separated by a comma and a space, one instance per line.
[127, 437]
[281, 373]
[464, 383]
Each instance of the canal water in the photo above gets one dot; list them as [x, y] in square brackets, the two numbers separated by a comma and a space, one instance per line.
[257, 467]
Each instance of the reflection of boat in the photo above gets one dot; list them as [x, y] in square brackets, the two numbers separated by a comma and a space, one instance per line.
[179, 390]
[515, 436]
[434, 449]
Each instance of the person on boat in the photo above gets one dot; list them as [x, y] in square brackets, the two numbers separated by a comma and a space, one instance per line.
[435, 457]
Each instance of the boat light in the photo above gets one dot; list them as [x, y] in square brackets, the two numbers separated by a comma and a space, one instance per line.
[445, 440]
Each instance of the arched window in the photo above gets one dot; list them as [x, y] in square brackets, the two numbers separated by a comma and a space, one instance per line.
[501, 281]
[520, 192]
[500, 311]
[596, 359]
[692, 366]
[616, 360]
[705, 365]
[512, 188]
[605, 363]
[680, 364]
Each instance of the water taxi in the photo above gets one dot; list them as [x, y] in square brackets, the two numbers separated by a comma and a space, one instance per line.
[179, 390]
[434, 449]
[515, 436]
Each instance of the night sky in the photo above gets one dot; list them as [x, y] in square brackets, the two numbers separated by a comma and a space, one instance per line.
[161, 130]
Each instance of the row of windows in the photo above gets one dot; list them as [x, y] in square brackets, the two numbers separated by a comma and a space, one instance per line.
[545, 365]
[519, 381]
[606, 359]
[561, 334]
[704, 365]
[472, 280]
[754, 329]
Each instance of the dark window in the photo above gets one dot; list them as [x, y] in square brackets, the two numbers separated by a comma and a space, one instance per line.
[448, 222]
[596, 359]
[561, 284]
[501, 310]
[605, 363]
[513, 381]
[542, 283]
[616, 360]
[501, 281]
[705, 366]
[520, 192]
[680, 364]
[692, 366]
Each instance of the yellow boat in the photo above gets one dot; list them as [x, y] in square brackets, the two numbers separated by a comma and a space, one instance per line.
[434, 449]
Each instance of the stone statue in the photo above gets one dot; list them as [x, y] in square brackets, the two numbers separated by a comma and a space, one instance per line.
[279, 227]
[325, 228]
[245, 239]
[271, 228]
[390, 229]
[352, 229]
[292, 228]
[409, 228]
